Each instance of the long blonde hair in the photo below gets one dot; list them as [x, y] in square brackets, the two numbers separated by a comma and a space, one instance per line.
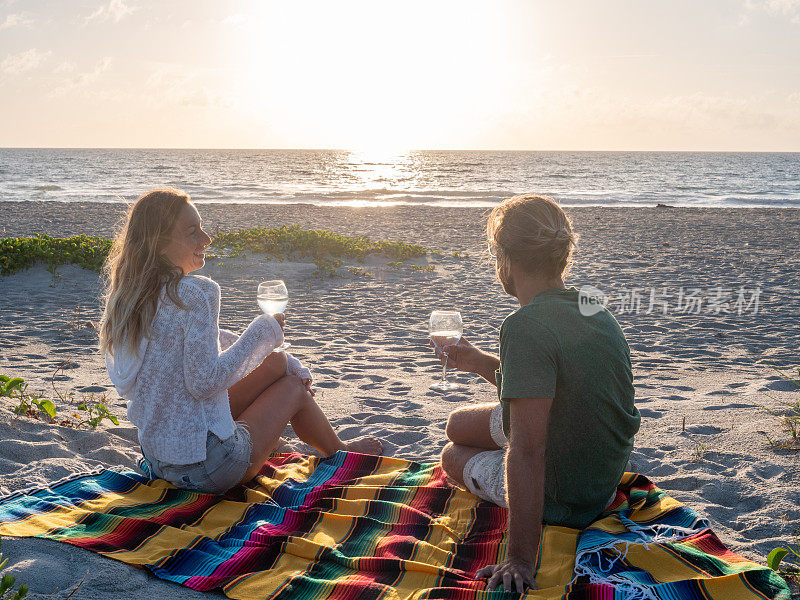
[136, 272]
[533, 232]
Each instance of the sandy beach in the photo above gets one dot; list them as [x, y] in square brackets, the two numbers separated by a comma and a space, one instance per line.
[707, 298]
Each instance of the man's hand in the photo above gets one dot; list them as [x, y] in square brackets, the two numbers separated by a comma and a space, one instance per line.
[511, 572]
[466, 357]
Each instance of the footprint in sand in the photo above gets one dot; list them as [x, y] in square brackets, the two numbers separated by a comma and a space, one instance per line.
[650, 413]
[704, 429]
[446, 397]
[405, 438]
[683, 484]
[371, 402]
[405, 421]
[328, 385]
[781, 385]
[728, 406]
[96, 389]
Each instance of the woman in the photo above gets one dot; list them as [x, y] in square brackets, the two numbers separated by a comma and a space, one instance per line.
[209, 405]
[556, 445]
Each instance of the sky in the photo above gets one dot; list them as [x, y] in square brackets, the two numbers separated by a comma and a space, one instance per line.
[710, 75]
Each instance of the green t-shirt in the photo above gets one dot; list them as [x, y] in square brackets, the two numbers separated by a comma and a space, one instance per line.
[548, 349]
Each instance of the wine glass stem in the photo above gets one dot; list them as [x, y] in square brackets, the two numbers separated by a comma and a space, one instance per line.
[444, 368]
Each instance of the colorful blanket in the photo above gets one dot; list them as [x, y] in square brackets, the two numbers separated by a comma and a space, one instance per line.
[363, 527]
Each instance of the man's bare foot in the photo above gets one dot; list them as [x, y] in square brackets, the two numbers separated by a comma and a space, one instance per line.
[365, 445]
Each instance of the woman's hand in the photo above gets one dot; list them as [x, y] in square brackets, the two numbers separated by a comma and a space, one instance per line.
[307, 383]
[466, 357]
[281, 319]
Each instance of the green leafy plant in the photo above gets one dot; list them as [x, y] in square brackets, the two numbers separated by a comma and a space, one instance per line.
[7, 583]
[291, 240]
[29, 404]
[95, 413]
[428, 269]
[9, 385]
[327, 267]
[776, 560]
[43, 405]
[90, 252]
[85, 251]
[359, 272]
[91, 412]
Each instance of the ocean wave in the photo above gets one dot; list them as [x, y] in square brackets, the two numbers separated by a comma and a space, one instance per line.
[434, 178]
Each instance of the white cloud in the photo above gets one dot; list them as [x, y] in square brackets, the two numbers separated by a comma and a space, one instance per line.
[80, 79]
[203, 98]
[785, 8]
[115, 11]
[24, 61]
[170, 85]
[66, 67]
[235, 20]
[746, 113]
[15, 20]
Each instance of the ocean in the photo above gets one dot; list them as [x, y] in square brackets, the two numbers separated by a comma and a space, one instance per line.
[442, 178]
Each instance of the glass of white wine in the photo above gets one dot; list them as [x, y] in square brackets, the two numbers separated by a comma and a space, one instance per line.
[273, 296]
[445, 328]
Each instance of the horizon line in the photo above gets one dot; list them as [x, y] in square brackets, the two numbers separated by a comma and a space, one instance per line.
[388, 151]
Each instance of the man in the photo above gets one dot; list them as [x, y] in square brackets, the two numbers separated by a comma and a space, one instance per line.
[555, 447]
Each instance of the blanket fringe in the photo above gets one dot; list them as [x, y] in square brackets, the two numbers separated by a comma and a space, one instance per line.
[588, 562]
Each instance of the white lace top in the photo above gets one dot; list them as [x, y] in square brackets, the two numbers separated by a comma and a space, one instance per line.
[177, 385]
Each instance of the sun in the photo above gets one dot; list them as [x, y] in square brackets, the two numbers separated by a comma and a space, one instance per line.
[337, 75]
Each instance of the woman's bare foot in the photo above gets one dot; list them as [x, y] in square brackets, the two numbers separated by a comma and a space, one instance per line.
[365, 445]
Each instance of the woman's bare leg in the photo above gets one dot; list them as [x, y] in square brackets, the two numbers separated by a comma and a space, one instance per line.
[288, 401]
[469, 426]
[244, 392]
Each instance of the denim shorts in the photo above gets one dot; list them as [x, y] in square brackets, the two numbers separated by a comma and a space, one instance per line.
[226, 463]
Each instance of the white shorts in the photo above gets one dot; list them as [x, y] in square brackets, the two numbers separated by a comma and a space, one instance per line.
[485, 473]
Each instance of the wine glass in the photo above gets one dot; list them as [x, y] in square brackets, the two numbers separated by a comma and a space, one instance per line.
[446, 328]
[272, 298]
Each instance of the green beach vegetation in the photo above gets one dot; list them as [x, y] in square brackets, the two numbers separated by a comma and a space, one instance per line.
[7, 583]
[85, 251]
[90, 412]
[325, 248]
[291, 240]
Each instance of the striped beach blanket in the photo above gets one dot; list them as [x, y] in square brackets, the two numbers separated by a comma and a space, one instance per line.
[352, 526]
